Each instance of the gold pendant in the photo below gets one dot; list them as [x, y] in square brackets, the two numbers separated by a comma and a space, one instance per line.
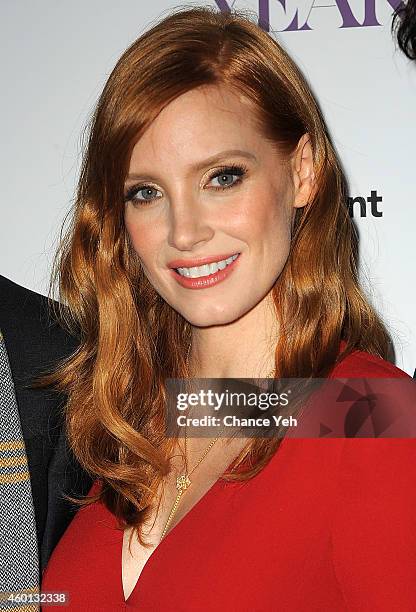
[182, 482]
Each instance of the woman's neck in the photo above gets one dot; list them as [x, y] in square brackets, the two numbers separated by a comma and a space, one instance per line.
[242, 349]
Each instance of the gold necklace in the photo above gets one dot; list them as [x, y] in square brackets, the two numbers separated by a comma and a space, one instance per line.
[183, 482]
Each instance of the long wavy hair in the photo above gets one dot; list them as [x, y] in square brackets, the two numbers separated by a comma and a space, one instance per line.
[131, 340]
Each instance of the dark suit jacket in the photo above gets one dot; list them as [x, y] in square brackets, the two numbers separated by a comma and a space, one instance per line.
[34, 342]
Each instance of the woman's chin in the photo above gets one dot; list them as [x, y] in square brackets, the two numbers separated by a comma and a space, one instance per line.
[206, 318]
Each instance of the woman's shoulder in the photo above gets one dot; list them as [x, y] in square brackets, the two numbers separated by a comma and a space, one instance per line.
[359, 364]
[373, 531]
[90, 519]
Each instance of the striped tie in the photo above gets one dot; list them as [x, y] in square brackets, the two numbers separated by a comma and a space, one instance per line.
[19, 566]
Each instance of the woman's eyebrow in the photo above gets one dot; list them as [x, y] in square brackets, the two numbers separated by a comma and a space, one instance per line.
[218, 157]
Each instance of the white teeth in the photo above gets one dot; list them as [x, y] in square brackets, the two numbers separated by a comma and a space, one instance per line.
[206, 269]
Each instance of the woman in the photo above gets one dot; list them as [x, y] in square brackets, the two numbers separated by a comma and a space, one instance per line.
[208, 146]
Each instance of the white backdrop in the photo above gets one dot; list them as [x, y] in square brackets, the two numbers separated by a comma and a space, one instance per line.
[57, 56]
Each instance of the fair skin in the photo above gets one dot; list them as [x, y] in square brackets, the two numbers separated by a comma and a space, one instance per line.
[183, 216]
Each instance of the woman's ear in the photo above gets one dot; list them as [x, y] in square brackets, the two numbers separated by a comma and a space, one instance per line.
[303, 172]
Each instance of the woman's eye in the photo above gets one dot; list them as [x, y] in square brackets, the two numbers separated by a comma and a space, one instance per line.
[227, 177]
[141, 193]
[224, 176]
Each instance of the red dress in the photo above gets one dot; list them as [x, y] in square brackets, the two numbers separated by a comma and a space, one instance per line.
[327, 525]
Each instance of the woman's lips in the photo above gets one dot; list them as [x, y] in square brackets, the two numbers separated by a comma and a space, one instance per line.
[203, 282]
[200, 261]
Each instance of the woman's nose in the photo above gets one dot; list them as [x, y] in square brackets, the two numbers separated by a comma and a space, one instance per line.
[188, 225]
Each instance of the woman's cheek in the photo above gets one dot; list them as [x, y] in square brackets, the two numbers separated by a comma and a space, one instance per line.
[140, 236]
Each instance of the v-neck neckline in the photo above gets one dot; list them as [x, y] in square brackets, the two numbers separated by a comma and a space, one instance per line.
[152, 559]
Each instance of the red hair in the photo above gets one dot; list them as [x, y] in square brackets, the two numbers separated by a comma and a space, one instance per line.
[131, 339]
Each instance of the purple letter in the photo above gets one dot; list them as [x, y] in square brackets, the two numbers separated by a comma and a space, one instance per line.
[223, 6]
[348, 19]
[370, 11]
[264, 17]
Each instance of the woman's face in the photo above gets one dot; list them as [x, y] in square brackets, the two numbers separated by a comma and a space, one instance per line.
[205, 186]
